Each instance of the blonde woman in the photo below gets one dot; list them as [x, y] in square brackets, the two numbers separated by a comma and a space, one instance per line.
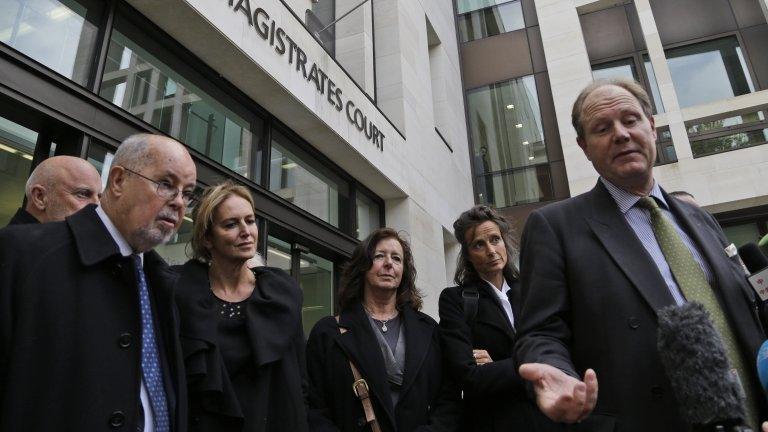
[241, 330]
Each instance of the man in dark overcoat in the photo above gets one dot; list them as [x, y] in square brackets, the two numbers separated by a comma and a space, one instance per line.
[594, 275]
[88, 339]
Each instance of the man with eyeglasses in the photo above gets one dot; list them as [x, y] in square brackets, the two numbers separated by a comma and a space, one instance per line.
[87, 333]
[58, 187]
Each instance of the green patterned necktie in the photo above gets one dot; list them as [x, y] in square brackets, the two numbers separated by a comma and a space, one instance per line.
[693, 284]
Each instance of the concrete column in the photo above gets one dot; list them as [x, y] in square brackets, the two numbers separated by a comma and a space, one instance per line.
[354, 42]
[664, 80]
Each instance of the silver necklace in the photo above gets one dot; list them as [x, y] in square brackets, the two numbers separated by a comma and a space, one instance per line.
[383, 322]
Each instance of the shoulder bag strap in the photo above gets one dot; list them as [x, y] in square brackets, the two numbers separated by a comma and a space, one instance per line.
[361, 390]
[471, 299]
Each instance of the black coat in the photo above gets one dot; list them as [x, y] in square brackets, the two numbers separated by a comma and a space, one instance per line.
[427, 401]
[271, 395]
[495, 396]
[70, 329]
[590, 296]
[22, 217]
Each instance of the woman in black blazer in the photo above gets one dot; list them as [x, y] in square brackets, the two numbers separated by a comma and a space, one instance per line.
[478, 328]
[241, 330]
[395, 347]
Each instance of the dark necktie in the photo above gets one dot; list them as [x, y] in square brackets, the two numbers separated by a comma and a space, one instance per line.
[150, 356]
[693, 283]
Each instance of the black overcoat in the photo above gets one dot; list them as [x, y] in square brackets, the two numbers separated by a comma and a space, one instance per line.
[275, 387]
[590, 296]
[428, 401]
[495, 396]
[22, 217]
[70, 329]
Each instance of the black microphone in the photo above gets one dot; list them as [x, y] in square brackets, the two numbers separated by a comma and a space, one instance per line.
[709, 394]
[753, 257]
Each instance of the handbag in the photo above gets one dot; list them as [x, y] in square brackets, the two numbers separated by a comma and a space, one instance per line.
[362, 391]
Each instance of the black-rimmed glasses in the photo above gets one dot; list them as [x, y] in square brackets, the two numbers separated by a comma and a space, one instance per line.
[169, 192]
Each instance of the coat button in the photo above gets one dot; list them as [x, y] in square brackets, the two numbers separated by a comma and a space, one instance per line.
[657, 392]
[633, 323]
[116, 420]
[125, 339]
[361, 421]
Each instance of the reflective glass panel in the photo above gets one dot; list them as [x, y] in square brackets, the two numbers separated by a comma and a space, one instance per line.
[59, 34]
[464, 6]
[742, 234]
[278, 254]
[316, 280]
[295, 177]
[658, 104]
[367, 216]
[709, 71]
[734, 141]
[518, 187]
[505, 126]
[618, 69]
[140, 83]
[17, 145]
[492, 21]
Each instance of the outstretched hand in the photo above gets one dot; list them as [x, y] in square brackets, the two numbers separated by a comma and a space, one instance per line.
[560, 396]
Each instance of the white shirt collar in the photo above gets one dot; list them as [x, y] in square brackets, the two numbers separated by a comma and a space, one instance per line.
[501, 294]
[122, 243]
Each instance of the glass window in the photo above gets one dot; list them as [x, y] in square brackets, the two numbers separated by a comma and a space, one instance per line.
[505, 125]
[729, 133]
[709, 71]
[295, 177]
[17, 144]
[177, 250]
[59, 34]
[465, 6]
[742, 234]
[522, 186]
[665, 148]
[316, 280]
[502, 18]
[658, 104]
[140, 83]
[278, 254]
[367, 216]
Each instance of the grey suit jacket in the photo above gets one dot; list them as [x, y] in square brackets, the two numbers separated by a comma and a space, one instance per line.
[590, 294]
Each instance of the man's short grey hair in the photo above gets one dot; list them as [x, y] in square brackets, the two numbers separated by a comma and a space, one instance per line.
[134, 152]
[632, 86]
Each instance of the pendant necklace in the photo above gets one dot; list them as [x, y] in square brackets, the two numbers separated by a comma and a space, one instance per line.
[384, 327]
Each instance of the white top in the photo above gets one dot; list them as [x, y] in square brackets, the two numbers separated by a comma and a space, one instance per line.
[126, 250]
[502, 295]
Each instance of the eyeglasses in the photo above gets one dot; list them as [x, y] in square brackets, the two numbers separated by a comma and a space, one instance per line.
[167, 191]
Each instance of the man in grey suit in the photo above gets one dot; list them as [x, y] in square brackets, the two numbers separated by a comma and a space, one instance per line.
[594, 276]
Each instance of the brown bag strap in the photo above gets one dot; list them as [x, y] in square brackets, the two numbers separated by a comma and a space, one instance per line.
[361, 390]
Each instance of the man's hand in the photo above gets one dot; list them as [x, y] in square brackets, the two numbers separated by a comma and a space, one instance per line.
[765, 427]
[560, 396]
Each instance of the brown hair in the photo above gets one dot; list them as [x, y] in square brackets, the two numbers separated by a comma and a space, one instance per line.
[212, 197]
[353, 274]
[633, 87]
[466, 224]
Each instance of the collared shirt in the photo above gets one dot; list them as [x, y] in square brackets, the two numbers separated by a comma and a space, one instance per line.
[127, 250]
[502, 295]
[640, 220]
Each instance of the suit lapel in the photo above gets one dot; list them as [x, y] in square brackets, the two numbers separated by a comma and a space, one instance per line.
[497, 317]
[418, 339]
[514, 296]
[621, 243]
[360, 345]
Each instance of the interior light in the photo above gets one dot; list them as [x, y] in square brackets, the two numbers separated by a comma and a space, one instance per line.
[16, 152]
[519, 125]
[510, 106]
[278, 253]
[525, 142]
[289, 165]
[530, 157]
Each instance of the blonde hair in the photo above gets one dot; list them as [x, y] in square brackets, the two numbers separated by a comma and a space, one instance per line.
[203, 214]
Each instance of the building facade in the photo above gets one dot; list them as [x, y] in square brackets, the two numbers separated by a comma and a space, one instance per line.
[704, 62]
[340, 116]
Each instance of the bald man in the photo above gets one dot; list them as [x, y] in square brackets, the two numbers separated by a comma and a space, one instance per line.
[88, 341]
[57, 188]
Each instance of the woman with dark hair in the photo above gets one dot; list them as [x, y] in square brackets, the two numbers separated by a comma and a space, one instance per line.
[379, 337]
[477, 322]
[241, 330]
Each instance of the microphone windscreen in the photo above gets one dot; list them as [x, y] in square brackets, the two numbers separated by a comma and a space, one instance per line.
[753, 257]
[697, 366]
[762, 365]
